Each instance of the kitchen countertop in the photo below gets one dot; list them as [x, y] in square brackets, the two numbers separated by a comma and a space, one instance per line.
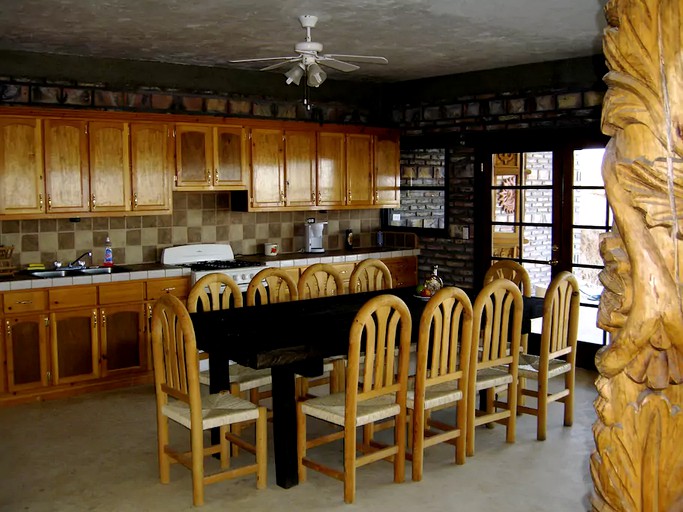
[22, 281]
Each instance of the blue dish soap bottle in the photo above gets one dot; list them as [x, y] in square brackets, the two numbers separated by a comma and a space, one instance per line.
[108, 254]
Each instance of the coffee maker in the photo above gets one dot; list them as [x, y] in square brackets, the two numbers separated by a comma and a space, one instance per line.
[314, 236]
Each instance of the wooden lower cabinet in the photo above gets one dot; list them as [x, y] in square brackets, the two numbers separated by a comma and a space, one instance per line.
[74, 346]
[123, 338]
[26, 347]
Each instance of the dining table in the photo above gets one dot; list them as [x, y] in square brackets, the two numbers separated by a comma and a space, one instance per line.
[291, 338]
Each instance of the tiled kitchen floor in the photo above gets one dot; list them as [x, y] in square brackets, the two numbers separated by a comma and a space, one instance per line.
[98, 453]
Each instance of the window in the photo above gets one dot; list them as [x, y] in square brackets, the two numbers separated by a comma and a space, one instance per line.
[423, 191]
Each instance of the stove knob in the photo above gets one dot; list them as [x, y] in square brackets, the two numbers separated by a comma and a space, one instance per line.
[244, 277]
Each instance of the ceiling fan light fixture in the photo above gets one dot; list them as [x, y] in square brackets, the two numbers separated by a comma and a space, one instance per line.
[294, 74]
[316, 75]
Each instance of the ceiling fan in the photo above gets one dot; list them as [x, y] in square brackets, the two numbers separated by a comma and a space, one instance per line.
[310, 58]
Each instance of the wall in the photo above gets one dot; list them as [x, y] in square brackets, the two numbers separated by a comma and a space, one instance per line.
[475, 112]
[197, 217]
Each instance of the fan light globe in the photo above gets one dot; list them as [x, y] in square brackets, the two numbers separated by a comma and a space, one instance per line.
[294, 74]
[316, 75]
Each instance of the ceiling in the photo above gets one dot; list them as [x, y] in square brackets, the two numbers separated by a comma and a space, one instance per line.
[420, 38]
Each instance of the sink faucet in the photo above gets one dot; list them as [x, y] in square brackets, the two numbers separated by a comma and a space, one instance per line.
[80, 263]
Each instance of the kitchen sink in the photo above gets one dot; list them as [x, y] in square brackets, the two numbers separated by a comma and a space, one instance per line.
[72, 272]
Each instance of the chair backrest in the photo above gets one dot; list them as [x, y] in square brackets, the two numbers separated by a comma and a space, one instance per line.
[370, 275]
[214, 292]
[271, 285]
[174, 349]
[444, 341]
[508, 269]
[320, 280]
[560, 318]
[380, 326]
[497, 326]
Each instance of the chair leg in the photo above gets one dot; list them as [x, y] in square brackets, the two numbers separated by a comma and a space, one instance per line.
[300, 442]
[490, 397]
[542, 418]
[400, 440]
[461, 425]
[225, 448]
[261, 448]
[417, 443]
[512, 407]
[162, 441]
[349, 465]
[569, 381]
[521, 385]
[237, 427]
[197, 444]
[470, 423]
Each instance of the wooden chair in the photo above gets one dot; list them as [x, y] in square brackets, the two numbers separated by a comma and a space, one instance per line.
[441, 377]
[558, 352]
[322, 280]
[271, 285]
[494, 356]
[382, 324]
[370, 275]
[176, 378]
[218, 291]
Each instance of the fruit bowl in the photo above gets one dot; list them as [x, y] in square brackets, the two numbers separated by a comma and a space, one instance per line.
[421, 297]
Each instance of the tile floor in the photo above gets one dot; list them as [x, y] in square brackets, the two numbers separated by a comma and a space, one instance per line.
[98, 453]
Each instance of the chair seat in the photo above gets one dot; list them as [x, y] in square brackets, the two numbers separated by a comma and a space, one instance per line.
[435, 396]
[529, 366]
[492, 377]
[217, 409]
[248, 378]
[332, 408]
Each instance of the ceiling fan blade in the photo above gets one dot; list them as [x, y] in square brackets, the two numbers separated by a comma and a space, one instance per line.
[262, 59]
[337, 64]
[369, 59]
[279, 64]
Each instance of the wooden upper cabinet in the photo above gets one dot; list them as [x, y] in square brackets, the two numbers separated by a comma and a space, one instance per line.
[300, 168]
[194, 153]
[359, 170]
[331, 169]
[230, 158]
[151, 154]
[267, 168]
[109, 166]
[211, 157]
[66, 166]
[387, 170]
[21, 166]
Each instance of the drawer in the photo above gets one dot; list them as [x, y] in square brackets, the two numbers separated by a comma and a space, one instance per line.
[24, 301]
[72, 297]
[121, 292]
[178, 286]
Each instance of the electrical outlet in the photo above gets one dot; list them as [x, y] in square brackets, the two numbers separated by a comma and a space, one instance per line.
[465, 232]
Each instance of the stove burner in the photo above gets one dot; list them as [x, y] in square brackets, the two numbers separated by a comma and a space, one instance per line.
[200, 266]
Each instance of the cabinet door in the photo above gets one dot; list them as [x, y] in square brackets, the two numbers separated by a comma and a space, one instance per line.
[300, 168]
[109, 166]
[331, 169]
[75, 353]
[151, 154]
[230, 158]
[21, 166]
[66, 166]
[403, 270]
[345, 270]
[359, 170]
[194, 164]
[27, 352]
[122, 329]
[387, 171]
[267, 187]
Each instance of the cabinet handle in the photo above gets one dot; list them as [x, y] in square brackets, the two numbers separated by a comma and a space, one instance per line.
[49, 376]
[49, 202]
[149, 311]
[215, 176]
[94, 203]
[104, 319]
[135, 200]
[40, 198]
[349, 196]
[27, 301]
[376, 197]
[320, 197]
[282, 196]
[312, 197]
[208, 176]
[9, 329]
[94, 318]
[170, 289]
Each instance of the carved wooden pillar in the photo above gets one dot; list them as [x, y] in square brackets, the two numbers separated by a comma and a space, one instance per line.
[638, 461]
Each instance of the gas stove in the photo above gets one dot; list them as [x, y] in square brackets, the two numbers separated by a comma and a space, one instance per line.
[205, 259]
